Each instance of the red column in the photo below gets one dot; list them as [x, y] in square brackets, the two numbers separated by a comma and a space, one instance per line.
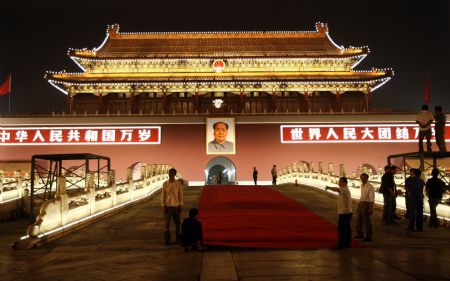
[69, 103]
[305, 100]
[132, 103]
[100, 103]
[369, 100]
[164, 102]
[338, 101]
[196, 105]
[241, 102]
[273, 102]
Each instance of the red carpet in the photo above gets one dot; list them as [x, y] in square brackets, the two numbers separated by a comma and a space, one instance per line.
[261, 217]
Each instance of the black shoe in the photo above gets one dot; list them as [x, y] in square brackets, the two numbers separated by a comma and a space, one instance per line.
[358, 237]
[367, 240]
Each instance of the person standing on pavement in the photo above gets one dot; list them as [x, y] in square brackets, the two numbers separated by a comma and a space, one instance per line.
[365, 209]
[172, 201]
[274, 173]
[434, 189]
[344, 208]
[388, 188]
[255, 176]
[414, 184]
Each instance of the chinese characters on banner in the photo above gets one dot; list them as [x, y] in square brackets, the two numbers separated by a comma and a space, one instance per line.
[81, 135]
[352, 133]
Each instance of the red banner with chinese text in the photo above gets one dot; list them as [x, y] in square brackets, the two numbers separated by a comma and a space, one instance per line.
[352, 133]
[80, 135]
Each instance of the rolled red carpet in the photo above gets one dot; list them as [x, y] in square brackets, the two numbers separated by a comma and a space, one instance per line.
[261, 217]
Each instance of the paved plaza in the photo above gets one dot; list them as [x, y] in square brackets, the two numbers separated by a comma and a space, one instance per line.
[129, 246]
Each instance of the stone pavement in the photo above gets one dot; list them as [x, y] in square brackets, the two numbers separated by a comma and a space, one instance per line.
[129, 246]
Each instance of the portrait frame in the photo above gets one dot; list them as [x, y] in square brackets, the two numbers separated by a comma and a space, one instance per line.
[230, 149]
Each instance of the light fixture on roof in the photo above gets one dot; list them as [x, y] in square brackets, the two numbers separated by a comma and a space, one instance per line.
[217, 103]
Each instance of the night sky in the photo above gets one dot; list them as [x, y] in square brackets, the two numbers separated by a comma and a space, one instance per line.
[410, 36]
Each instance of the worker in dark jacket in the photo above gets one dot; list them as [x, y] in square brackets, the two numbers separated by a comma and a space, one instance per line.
[192, 232]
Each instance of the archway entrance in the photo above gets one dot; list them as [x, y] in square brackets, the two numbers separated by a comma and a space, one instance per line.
[221, 165]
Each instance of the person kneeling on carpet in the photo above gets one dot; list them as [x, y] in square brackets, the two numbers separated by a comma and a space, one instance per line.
[192, 232]
[344, 207]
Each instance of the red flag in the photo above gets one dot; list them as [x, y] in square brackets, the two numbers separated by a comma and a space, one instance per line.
[427, 94]
[5, 88]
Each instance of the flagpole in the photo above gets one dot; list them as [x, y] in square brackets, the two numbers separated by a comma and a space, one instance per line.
[9, 96]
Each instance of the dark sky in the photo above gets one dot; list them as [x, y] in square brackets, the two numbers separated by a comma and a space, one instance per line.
[410, 36]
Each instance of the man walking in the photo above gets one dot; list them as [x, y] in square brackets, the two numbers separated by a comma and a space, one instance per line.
[274, 174]
[365, 209]
[172, 200]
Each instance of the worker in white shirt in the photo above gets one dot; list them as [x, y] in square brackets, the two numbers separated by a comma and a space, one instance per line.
[365, 210]
[344, 208]
[424, 119]
[172, 201]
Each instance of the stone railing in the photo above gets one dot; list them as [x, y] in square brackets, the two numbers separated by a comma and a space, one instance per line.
[68, 210]
[303, 173]
[12, 187]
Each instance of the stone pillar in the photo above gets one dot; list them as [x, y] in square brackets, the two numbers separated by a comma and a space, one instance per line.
[320, 167]
[380, 171]
[18, 179]
[25, 201]
[130, 182]
[331, 169]
[143, 172]
[113, 187]
[342, 170]
[61, 194]
[311, 167]
[90, 190]
[151, 170]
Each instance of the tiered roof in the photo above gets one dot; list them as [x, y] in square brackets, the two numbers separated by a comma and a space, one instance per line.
[218, 44]
[103, 66]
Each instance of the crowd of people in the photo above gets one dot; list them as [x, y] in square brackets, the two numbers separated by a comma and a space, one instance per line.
[190, 233]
